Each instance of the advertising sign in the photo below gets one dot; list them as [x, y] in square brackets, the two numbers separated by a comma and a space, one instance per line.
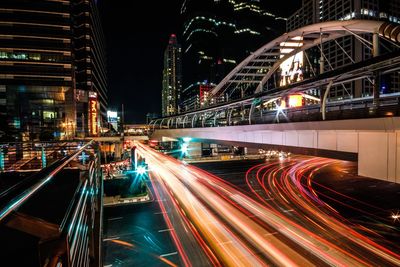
[93, 114]
[291, 69]
[112, 116]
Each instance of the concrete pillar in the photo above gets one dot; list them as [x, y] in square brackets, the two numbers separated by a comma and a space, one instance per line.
[118, 151]
[378, 155]
[194, 149]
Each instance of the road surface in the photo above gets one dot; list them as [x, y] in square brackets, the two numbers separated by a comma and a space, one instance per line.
[287, 225]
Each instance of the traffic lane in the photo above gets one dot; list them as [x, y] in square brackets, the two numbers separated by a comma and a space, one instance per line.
[187, 182]
[320, 249]
[291, 210]
[230, 250]
[197, 181]
[368, 203]
[231, 171]
[137, 235]
[286, 185]
[190, 244]
[324, 250]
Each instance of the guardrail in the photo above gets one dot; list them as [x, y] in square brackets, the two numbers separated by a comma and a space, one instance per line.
[77, 239]
[32, 155]
[8, 205]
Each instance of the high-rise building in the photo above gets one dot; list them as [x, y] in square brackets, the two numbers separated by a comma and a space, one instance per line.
[217, 35]
[172, 78]
[314, 11]
[51, 61]
[90, 75]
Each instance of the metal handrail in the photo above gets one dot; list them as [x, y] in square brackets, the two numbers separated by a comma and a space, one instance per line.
[18, 200]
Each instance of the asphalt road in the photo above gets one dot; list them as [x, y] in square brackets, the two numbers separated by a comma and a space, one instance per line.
[137, 235]
[300, 211]
[278, 219]
[365, 205]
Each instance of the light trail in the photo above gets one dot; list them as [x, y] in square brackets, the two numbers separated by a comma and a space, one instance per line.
[238, 229]
[293, 180]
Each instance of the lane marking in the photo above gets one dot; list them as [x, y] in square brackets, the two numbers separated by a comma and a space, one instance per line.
[111, 238]
[273, 233]
[288, 210]
[225, 242]
[116, 218]
[161, 212]
[165, 230]
[168, 254]
[109, 265]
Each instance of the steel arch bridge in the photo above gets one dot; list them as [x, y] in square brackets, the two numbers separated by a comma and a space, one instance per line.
[255, 84]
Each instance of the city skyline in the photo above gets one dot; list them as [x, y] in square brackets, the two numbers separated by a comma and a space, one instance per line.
[200, 133]
[135, 48]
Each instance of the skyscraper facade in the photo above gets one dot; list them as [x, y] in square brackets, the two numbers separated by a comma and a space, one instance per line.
[217, 35]
[49, 62]
[90, 75]
[172, 78]
[314, 11]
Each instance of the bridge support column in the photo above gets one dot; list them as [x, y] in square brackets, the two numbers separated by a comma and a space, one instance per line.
[118, 151]
[195, 149]
[379, 155]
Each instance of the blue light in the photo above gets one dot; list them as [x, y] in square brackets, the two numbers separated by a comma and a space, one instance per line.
[141, 170]
[184, 148]
[187, 139]
[1, 160]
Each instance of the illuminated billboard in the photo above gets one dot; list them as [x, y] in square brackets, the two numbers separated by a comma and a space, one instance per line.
[295, 101]
[112, 116]
[291, 70]
[93, 114]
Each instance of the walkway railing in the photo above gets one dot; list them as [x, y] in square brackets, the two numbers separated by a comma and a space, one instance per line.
[246, 114]
[61, 205]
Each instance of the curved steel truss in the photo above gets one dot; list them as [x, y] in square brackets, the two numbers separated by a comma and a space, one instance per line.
[253, 73]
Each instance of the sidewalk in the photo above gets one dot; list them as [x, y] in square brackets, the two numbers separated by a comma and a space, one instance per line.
[118, 201]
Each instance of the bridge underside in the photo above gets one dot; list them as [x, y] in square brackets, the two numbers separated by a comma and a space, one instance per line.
[375, 142]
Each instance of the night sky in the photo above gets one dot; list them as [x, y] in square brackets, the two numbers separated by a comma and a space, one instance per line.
[137, 33]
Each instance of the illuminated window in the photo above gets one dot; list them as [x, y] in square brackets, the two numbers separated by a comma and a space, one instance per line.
[47, 115]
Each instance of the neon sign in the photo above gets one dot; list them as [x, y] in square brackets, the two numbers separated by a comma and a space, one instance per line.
[93, 128]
